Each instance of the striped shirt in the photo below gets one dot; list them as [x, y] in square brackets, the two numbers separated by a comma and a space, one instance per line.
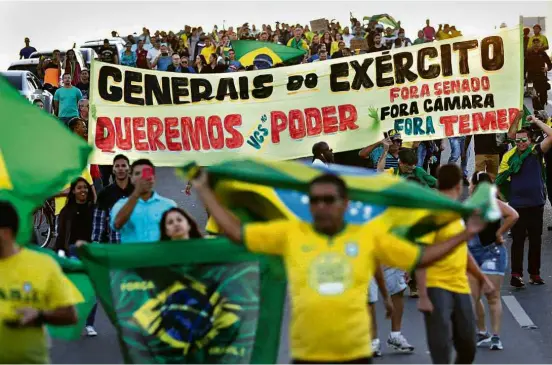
[390, 160]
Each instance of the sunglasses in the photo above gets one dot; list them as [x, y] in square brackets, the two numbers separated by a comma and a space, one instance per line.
[397, 141]
[326, 199]
[522, 140]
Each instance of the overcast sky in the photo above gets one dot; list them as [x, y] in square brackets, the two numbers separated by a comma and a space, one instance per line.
[60, 24]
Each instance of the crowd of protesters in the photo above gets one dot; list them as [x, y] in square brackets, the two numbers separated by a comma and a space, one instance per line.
[118, 203]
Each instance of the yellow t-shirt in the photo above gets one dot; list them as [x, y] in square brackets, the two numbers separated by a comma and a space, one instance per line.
[542, 38]
[207, 52]
[449, 273]
[30, 279]
[442, 35]
[60, 202]
[329, 279]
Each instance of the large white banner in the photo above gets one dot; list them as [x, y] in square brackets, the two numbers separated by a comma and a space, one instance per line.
[457, 87]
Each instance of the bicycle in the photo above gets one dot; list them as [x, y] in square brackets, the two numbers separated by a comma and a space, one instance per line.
[44, 224]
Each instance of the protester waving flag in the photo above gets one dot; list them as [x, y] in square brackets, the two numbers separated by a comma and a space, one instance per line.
[195, 301]
[38, 155]
[250, 52]
[385, 19]
[274, 190]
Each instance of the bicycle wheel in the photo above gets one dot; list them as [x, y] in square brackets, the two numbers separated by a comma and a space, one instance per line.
[43, 228]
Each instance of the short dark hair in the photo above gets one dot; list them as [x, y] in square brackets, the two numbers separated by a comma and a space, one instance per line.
[121, 157]
[8, 217]
[140, 162]
[334, 180]
[408, 156]
[67, 73]
[448, 176]
[72, 123]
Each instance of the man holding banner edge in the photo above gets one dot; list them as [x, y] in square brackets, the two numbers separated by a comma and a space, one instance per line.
[317, 259]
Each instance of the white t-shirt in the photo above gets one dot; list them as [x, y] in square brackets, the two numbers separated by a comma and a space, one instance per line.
[152, 54]
[347, 39]
[318, 162]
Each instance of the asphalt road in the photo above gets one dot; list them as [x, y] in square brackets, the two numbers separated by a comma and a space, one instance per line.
[521, 307]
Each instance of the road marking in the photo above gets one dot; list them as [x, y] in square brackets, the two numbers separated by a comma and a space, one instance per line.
[518, 312]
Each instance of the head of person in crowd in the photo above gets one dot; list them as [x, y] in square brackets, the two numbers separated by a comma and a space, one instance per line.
[322, 152]
[39, 104]
[106, 42]
[298, 33]
[27, 41]
[84, 76]
[358, 31]
[322, 48]
[67, 80]
[427, 22]
[537, 29]
[421, 34]
[377, 39]
[275, 38]
[346, 52]
[78, 126]
[154, 43]
[396, 138]
[80, 192]
[340, 46]
[207, 42]
[177, 224]
[141, 44]
[523, 139]
[121, 167]
[131, 39]
[449, 180]
[478, 178]
[379, 28]
[401, 34]
[184, 62]
[407, 160]
[536, 46]
[346, 31]
[143, 169]
[263, 37]
[327, 37]
[70, 56]
[338, 37]
[114, 34]
[526, 32]
[446, 28]
[232, 55]
[164, 49]
[398, 43]
[213, 59]
[9, 225]
[175, 58]
[328, 201]
[84, 108]
[322, 55]
[128, 47]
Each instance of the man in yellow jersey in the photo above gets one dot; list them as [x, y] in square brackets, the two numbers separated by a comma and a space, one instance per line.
[448, 288]
[329, 267]
[33, 292]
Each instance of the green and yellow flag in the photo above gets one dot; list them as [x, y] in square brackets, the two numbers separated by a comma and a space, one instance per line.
[251, 52]
[278, 190]
[38, 155]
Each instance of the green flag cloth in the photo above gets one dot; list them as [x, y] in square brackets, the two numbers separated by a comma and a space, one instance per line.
[277, 189]
[385, 19]
[38, 155]
[74, 270]
[196, 301]
[249, 52]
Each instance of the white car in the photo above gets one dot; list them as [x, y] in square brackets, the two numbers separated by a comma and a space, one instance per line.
[29, 64]
[30, 87]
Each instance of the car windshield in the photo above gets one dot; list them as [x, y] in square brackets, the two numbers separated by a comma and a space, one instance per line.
[15, 81]
[99, 47]
[46, 54]
[30, 67]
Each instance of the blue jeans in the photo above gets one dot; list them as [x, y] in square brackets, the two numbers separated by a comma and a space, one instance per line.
[422, 153]
[492, 259]
[92, 316]
[456, 148]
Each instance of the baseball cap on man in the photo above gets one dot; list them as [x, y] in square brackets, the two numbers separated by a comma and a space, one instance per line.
[394, 134]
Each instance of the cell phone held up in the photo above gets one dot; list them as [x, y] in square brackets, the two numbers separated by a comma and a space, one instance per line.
[147, 173]
[385, 135]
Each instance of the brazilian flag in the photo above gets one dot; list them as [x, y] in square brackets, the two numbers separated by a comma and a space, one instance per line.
[38, 155]
[384, 19]
[278, 190]
[264, 54]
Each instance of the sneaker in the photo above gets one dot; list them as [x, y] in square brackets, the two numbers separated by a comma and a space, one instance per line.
[536, 280]
[376, 347]
[496, 344]
[517, 282]
[90, 331]
[483, 337]
[399, 343]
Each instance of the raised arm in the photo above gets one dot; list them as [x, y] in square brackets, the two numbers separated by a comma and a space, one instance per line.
[381, 163]
[515, 125]
[546, 144]
[228, 223]
[366, 151]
